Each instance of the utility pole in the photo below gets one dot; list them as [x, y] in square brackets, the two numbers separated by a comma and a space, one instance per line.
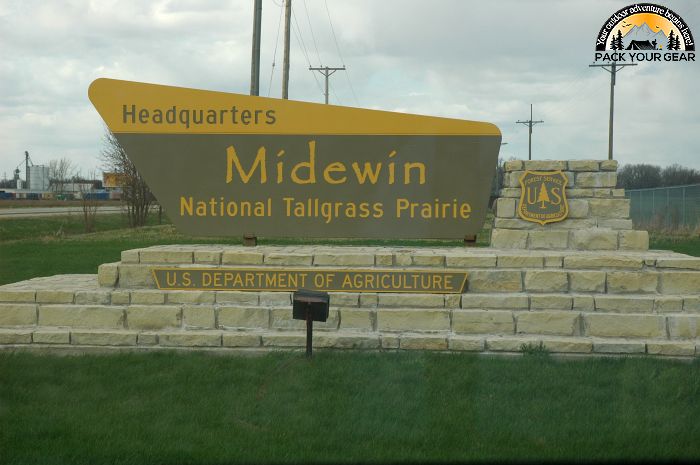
[529, 123]
[613, 71]
[255, 60]
[285, 64]
[326, 71]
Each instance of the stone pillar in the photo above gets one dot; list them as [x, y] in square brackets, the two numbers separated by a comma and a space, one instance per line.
[599, 214]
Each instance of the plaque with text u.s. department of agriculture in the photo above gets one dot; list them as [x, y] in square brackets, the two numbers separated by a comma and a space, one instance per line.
[229, 164]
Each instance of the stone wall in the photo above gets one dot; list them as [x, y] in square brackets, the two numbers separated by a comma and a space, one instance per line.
[599, 214]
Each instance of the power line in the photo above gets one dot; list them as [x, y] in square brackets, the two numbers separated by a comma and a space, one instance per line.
[529, 123]
[277, 42]
[327, 72]
[313, 38]
[302, 45]
[342, 61]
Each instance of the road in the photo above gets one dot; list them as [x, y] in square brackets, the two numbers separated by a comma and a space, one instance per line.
[50, 211]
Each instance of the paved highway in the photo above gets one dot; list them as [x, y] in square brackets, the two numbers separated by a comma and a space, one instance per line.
[50, 211]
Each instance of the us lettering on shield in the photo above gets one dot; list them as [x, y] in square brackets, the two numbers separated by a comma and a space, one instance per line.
[543, 197]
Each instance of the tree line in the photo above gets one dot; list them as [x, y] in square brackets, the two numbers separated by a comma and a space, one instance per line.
[644, 176]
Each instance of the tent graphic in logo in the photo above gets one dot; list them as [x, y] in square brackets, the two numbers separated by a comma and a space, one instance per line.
[543, 197]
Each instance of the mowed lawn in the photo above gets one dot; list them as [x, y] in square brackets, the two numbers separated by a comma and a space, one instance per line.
[344, 408]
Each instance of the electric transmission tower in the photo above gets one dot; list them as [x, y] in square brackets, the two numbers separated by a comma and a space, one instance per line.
[529, 123]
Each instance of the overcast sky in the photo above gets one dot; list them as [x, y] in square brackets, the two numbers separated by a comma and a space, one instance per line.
[474, 60]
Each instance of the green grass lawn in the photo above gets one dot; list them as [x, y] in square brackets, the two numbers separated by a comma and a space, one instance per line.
[344, 408]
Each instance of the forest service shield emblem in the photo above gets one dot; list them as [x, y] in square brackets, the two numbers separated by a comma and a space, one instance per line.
[543, 197]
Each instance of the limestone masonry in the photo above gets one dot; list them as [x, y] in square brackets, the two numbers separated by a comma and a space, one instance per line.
[585, 285]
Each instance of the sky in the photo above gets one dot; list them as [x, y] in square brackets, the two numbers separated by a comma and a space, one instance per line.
[472, 60]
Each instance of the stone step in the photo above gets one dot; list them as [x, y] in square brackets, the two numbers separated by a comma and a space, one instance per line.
[86, 340]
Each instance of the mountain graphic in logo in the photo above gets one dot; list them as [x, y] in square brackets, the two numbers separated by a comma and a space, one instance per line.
[643, 34]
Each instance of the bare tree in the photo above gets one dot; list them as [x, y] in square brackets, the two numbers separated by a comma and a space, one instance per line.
[88, 202]
[60, 172]
[136, 195]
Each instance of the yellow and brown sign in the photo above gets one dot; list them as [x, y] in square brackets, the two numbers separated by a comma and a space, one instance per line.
[543, 197]
[329, 280]
[229, 164]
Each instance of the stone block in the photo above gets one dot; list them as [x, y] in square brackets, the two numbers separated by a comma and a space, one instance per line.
[54, 297]
[356, 319]
[566, 345]
[551, 302]
[578, 208]
[51, 336]
[281, 318]
[403, 259]
[673, 348]
[147, 339]
[119, 297]
[505, 207]
[389, 341]
[244, 317]
[482, 322]
[552, 322]
[15, 336]
[495, 301]
[207, 257]
[347, 341]
[546, 281]
[345, 299]
[411, 300]
[135, 276]
[602, 193]
[611, 325]
[276, 299]
[18, 314]
[624, 304]
[600, 179]
[288, 259]
[237, 298]
[632, 282]
[512, 178]
[584, 165]
[508, 239]
[92, 297]
[166, 256]
[345, 259]
[147, 297]
[520, 261]
[191, 297]
[483, 261]
[103, 338]
[509, 192]
[619, 347]
[241, 340]
[495, 281]
[130, 256]
[284, 340]
[453, 300]
[573, 193]
[683, 263]
[428, 260]
[513, 223]
[413, 320]
[551, 261]
[199, 316]
[618, 193]
[422, 342]
[511, 344]
[608, 165]
[82, 316]
[513, 165]
[668, 304]
[466, 343]
[238, 257]
[594, 239]
[679, 282]
[190, 339]
[548, 240]
[583, 303]
[634, 240]
[691, 304]
[108, 274]
[602, 261]
[17, 295]
[544, 165]
[384, 259]
[368, 300]
[683, 326]
[153, 316]
[587, 281]
[616, 223]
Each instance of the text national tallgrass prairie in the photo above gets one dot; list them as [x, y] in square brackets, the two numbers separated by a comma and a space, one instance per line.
[344, 407]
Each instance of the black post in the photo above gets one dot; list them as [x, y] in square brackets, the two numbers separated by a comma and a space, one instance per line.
[309, 330]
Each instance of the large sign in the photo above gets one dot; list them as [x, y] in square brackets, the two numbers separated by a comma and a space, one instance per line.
[228, 164]
[543, 197]
[329, 280]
